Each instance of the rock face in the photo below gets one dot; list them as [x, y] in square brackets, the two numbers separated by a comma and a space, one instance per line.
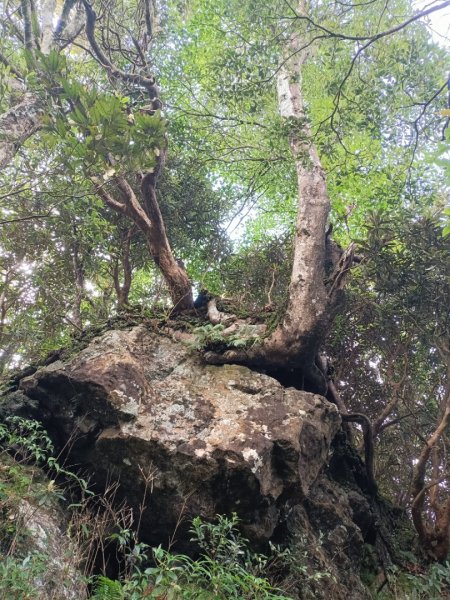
[43, 533]
[38, 558]
[193, 439]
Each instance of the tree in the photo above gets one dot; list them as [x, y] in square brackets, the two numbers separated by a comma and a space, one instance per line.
[393, 359]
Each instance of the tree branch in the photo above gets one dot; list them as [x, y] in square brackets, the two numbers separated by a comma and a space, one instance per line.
[146, 82]
[370, 38]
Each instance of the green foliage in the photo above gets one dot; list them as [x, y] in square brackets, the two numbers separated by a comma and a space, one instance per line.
[432, 584]
[107, 589]
[28, 438]
[25, 452]
[225, 569]
[306, 568]
[258, 273]
[19, 577]
[100, 136]
[389, 344]
[29, 444]
[229, 192]
[207, 335]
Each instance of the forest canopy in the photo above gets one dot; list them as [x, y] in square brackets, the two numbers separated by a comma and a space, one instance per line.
[291, 157]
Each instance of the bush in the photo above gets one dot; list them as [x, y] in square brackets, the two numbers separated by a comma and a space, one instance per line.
[226, 569]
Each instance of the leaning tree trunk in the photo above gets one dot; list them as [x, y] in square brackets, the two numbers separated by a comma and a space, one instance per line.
[144, 211]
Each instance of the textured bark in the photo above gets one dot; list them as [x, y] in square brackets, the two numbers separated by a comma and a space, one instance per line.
[47, 12]
[27, 16]
[7, 346]
[304, 325]
[145, 213]
[123, 289]
[4, 308]
[180, 287]
[78, 279]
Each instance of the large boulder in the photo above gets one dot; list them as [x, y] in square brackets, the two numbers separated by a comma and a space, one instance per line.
[144, 409]
[184, 438]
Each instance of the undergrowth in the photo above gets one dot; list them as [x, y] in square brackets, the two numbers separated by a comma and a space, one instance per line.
[427, 583]
[225, 569]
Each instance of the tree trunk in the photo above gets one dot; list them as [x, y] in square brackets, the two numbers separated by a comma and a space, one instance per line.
[47, 14]
[297, 340]
[78, 278]
[123, 289]
[6, 355]
[180, 287]
[302, 330]
[146, 215]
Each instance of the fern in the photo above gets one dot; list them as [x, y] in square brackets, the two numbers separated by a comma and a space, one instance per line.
[107, 589]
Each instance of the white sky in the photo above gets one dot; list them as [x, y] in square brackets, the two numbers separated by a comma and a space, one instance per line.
[439, 22]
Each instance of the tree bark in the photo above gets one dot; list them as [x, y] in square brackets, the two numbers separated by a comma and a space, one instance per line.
[47, 13]
[123, 289]
[180, 287]
[302, 330]
[145, 213]
[78, 279]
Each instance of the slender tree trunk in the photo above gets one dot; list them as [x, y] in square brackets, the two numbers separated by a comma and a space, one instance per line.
[78, 279]
[302, 330]
[4, 305]
[6, 356]
[123, 289]
[297, 340]
[180, 287]
[146, 215]
[7, 347]
[47, 10]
